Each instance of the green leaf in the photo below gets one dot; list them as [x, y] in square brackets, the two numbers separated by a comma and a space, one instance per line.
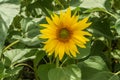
[117, 26]
[12, 72]
[91, 66]
[31, 41]
[97, 48]
[71, 72]
[57, 74]
[116, 54]
[27, 30]
[19, 55]
[2, 70]
[10, 1]
[84, 52]
[43, 70]
[105, 76]
[1, 67]
[94, 10]
[30, 31]
[93, 3]
[30, 27]
[7, 13]
[8, 72]
[75, 3]
[35, 8]
[101, 28]
[116, 4]
[39, 56]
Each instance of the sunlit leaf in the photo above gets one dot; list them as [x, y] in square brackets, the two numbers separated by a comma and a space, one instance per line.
[105, 76]
[93, 3]
[71, 72]
[19, 55]
[7, 12]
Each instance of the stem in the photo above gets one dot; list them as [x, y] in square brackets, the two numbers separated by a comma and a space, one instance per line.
[57, 62]
[117, 73]
[45, 60]
[23, 64]
[57, 1]
[108, 55]
[64, 61]
[53, 60]
[15, 42]
[36, 68]
[50, 59]
[111, 14]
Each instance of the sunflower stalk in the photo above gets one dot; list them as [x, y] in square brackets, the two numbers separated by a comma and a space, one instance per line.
[57, 62]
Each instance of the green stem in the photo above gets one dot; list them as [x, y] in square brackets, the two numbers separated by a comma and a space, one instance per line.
[23, 64]
[57, 62]
[117, 73]
[64, 62]
[15, 42]
[45, 60]
[108, 55]
[50, 59]
[57, 1]
[111, 14]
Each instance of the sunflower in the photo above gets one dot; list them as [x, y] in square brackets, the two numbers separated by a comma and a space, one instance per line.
[64, 33]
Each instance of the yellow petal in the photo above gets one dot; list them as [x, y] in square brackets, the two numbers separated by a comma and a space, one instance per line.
[73, 48]
[68, 13]
[50, 45]
[50, 22]
[85, 33]
[61, 50]
[55, 19]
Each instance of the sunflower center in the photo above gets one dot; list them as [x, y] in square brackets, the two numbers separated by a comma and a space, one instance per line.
[64, 33]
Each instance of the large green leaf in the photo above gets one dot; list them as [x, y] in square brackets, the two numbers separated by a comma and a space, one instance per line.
[71, 72]
[99, 48]
[35, 8]
[39, 56]
[42, 71]
[84, 52]
[105, 76]
[19, 55]
[26, 30]
[101, 28]
[91, 66]
[7, 13]
[93, 3]
[30, 29]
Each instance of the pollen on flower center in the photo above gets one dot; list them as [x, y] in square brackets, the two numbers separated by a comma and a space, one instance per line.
[64, 34]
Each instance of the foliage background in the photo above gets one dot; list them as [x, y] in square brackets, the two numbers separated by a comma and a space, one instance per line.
[21, 54]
